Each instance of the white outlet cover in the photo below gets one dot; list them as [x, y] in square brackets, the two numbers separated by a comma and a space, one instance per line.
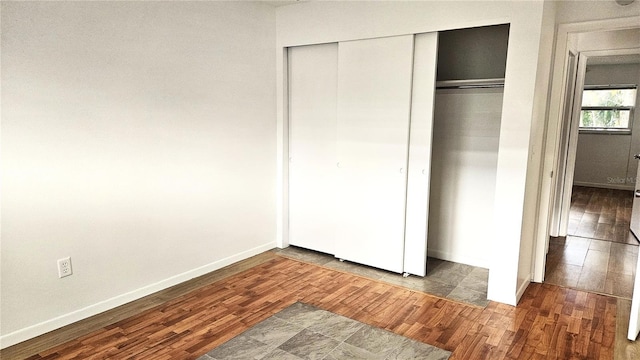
[64, 267]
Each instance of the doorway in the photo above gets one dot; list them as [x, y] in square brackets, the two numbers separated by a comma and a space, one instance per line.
[598, 253]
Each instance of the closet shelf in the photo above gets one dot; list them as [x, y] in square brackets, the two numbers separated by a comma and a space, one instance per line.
[470, 83]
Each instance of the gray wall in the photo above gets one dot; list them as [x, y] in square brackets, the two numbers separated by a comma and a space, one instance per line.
[606, 160]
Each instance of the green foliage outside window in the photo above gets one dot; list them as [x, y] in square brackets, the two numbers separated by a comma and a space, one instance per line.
[607, 108]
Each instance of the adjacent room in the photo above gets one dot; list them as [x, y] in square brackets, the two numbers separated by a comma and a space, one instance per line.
[316, 179]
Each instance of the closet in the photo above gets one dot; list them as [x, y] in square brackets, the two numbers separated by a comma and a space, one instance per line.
[468, 111]
[360, 149]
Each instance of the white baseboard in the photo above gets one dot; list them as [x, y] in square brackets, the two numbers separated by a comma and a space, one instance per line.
[80, 314]
[605, 186]
[448, 256]
[522, 288]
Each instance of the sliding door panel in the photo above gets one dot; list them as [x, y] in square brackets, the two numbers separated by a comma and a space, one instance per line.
[424, 79]
[374, 95]
[312, 145]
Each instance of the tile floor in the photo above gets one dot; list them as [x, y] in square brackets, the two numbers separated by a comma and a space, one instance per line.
[602, 214]
[302, 331]
[593, 265]
[446, 279]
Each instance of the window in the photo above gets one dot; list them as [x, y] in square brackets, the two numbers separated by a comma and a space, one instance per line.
[607, 109]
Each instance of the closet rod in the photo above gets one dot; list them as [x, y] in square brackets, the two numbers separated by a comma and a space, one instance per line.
[470, 84]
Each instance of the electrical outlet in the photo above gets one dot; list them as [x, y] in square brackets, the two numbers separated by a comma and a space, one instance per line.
[64, 267]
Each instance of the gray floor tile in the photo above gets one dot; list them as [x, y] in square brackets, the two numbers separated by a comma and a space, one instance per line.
[433, 263]
[619, 285]
[240, 347]
[349, 352]
[477, 280]
[336, 327]
[425, 284]
[309, 345]
[574, 255]
[592, 280]
[279, 354]
[564, 275]
[448, 278]
[361, 341]
[578, 242]
[455, 267]
[415, 350]
[357, 269]
[375, 340]
[597, 260]
[303, 315]
[622, 263]
[273, 331]
[450, 273]
[600, 245]
[310, 256]
[469, 296]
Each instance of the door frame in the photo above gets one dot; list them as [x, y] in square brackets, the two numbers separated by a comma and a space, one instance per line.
[565, 180]
[565, 36]
[561, 167]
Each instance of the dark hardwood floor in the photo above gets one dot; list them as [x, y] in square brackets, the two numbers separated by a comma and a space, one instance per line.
[550, 321]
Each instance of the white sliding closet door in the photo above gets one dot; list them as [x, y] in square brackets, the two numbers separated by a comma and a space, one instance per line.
[424, 82]
[374, 97]
[313, 72]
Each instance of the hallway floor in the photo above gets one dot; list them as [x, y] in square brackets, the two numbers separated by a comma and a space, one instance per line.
[600, 253]
[599, 266]
[602, 214]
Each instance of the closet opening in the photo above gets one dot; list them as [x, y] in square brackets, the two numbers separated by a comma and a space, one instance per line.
[466, 133]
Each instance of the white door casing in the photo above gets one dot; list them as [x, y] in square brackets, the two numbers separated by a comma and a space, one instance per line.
[556, 214]
[572, 146]
[634, 320]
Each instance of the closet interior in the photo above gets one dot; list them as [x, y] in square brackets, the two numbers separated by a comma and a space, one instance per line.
[393, 142]
[466, 133]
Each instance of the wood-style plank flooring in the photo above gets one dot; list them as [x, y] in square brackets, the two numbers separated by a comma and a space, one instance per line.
[603, 214]
[550, 321]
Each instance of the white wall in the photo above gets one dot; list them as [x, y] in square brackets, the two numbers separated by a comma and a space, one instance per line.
[586, 10]
[534, 172]
[604, 160]
[524, 103]
[137, 138]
